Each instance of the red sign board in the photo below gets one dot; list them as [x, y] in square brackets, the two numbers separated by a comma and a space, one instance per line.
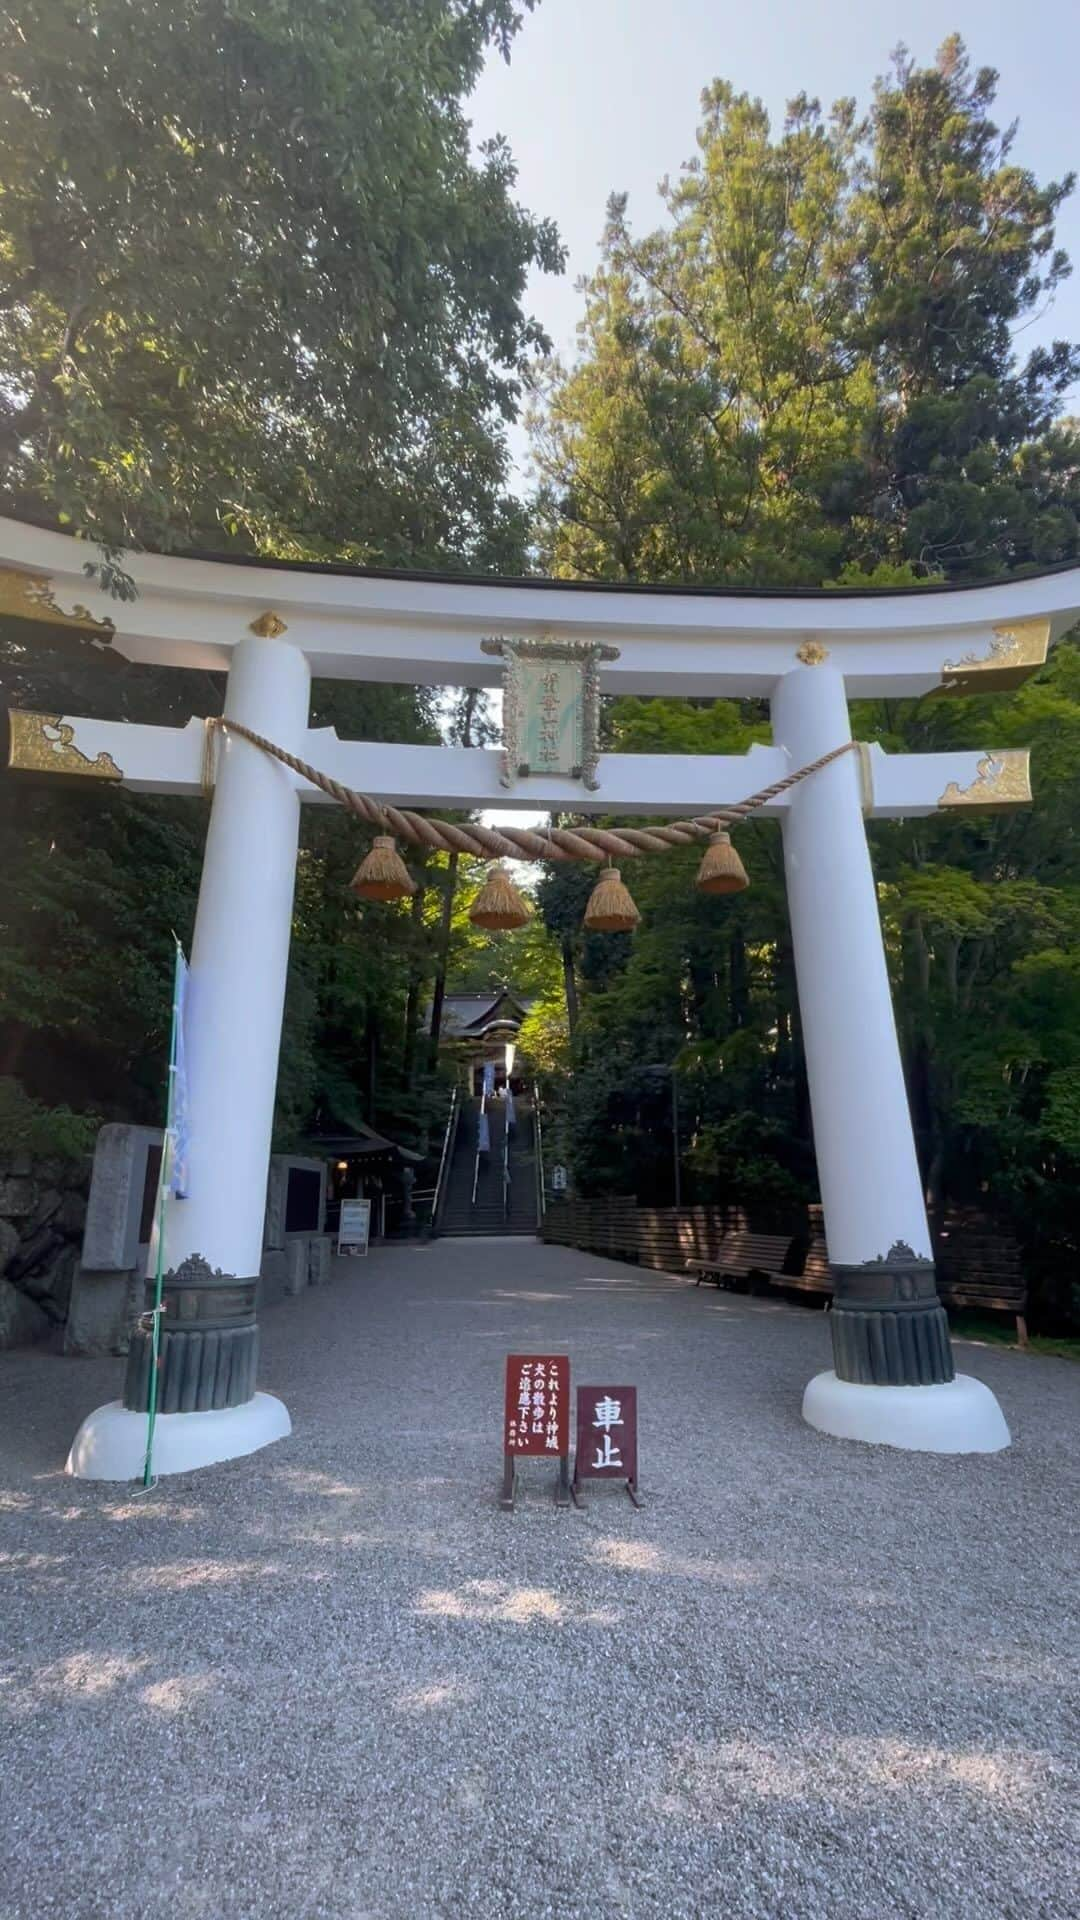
[537, 1418]
[606, 1434]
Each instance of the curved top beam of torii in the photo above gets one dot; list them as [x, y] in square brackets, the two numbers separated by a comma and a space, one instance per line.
[426, 629]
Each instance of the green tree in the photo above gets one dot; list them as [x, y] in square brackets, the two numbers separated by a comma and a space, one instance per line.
[720, 392]
[253, 288]
[256, 294]
[830, 317]
[965, 471]
[811, 368]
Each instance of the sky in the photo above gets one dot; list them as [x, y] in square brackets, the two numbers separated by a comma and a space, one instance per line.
[602, 96]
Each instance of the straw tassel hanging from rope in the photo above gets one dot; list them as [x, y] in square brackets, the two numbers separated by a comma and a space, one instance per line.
[498, 905]
[382, 873]
[611, 908]
[721, 870]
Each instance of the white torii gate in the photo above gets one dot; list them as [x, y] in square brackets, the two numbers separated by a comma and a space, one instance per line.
[271, 626]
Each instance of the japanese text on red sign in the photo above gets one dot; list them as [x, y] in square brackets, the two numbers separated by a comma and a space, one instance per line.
[606, 1433]
[537, 1404]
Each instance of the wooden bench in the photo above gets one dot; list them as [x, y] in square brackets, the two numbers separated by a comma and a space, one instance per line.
[813, 1274]
[974, 1269]
[982, 1270]
[742, 1254]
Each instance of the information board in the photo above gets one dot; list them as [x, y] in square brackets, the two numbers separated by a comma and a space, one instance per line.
[607, 1436]
[354, 1227]
[537, 1404]
[536, 1417]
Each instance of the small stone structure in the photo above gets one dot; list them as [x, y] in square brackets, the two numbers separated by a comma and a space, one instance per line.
[320, 1248]
[49, 1205]
[295, 1212]
[108, 1291]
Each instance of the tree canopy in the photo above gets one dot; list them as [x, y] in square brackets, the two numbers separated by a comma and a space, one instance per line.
[811, 375]
[255, 288]
[256, 294]
[809, 372]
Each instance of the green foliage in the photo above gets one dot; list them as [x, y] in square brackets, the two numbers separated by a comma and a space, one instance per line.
[257, 291]
[956, 243]
[808, 377]
[545, 1033]
[28, 1126]
[718, 396]
[258, 295]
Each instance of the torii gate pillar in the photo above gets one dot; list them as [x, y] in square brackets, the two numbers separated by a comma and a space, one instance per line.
[894, 1379]
[209, 1407]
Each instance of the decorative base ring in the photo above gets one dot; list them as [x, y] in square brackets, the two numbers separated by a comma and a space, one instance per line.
[209, 1347]
[888, 1325]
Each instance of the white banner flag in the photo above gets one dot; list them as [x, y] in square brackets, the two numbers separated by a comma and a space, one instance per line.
[179, 1141]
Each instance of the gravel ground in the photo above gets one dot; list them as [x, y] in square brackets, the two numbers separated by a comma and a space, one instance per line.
[810, 1678]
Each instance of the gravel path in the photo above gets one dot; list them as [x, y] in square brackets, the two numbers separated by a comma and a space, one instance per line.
[810, 1678]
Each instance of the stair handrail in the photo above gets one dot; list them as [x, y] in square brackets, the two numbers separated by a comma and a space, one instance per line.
[449, 1141]
[506, 1168]
[538, 1139]
[476, 1158]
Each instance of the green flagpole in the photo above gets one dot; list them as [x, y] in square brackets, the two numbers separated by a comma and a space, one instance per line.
[164, 1177]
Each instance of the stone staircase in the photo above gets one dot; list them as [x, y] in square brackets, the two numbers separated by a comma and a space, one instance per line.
[460, 1214]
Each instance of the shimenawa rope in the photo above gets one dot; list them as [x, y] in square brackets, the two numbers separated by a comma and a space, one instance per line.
[516, 843]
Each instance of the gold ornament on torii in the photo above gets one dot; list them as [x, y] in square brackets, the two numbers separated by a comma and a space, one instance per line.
[1017, 650]
[45, 743]
[1002, 781]
[29, 596]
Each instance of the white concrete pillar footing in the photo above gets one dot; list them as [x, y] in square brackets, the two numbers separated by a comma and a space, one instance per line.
[111, 1443]
[957, 1416]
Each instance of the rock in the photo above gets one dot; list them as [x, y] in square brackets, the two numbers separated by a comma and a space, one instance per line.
[50, 1283]
[78, 1174]
[16, 1196]
[52, 1171]
[34, 1253]
[21, 1320]
[9, 1240]
[114, 1216]
[48, 1203]
[71, 1214]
